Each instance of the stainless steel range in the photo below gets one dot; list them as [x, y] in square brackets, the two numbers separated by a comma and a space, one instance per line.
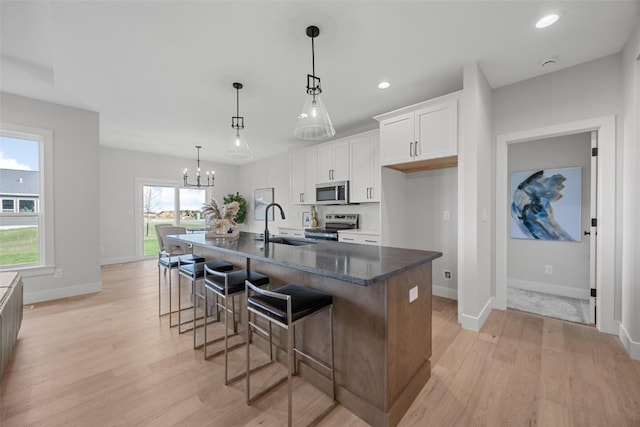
[332, 224]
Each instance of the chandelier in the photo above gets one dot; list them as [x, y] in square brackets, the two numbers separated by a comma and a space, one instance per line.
[198, 183]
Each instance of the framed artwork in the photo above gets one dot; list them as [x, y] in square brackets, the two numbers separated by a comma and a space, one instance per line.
[261, 198]
[546, 204]
[306, 219]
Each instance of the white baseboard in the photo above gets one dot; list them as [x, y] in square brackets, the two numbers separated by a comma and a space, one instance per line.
[563, 291]
[444, 292]
[474, 323]
[632, 347]
[123, 260]
[52, 294]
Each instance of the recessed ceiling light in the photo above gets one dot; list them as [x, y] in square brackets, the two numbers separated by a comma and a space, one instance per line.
[383, 85]
[548, 61]
[547, 21]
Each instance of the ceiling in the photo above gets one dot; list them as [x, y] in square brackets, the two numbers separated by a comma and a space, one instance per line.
[160, 73]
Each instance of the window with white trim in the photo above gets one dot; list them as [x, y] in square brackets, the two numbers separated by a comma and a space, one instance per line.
[26, 225]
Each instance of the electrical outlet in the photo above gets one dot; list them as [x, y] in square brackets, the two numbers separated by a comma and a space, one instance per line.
[57, 273]
[447, 274]
[446, 215]
[548, 269]
[413, 294]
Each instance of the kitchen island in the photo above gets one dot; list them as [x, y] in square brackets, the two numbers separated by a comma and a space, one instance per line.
[382, 314]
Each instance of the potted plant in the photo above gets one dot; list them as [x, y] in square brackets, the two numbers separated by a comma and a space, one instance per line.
[242, 206]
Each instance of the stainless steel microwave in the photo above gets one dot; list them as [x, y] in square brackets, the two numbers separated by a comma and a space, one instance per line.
[333, 193]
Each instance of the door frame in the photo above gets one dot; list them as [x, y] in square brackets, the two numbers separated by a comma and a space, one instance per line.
[606, 194]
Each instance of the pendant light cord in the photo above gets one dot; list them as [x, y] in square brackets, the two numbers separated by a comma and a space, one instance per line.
[313, 58]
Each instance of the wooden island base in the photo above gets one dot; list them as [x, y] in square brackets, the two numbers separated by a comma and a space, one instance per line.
[382, 341]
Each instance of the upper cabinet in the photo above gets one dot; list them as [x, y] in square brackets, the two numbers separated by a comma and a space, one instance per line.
[333, 162]
[303, 170]
[364, 155]
[423, 136]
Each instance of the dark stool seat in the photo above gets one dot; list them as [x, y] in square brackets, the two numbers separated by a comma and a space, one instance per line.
[234, 281]
[193, 272]
[196, 271]
[285, 307]
[174, 261]
[304, 302]
[225, 285]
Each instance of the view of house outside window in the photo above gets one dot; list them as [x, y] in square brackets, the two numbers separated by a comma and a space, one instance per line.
[20, 195]
[170, 205]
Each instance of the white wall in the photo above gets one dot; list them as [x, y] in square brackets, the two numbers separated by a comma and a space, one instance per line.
[630, 327]
[119, 170]
[585, 91]
[77, 212]
[271, 172]
[526, 259]
[429, 194]
[475, 202]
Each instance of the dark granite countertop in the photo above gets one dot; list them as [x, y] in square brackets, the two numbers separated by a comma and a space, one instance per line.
[358, 264]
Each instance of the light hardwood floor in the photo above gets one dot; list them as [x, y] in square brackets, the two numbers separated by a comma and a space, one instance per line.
[107, 359]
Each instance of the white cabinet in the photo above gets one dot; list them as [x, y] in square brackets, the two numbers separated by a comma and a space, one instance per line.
[303, 177]
[293, 232]
[422, 132]
[363, 238]
[333, 162]
[364, 157]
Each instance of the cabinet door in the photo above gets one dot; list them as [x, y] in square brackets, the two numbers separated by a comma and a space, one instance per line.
[340, 153]
[397, 139]
[310, 165]
[361, 173]
[376, 179]
[302, 177]
[333, 162]
[436, 130]
[296, 178]
[325, 164]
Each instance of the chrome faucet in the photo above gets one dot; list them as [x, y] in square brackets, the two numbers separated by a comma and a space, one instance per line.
[266, 221]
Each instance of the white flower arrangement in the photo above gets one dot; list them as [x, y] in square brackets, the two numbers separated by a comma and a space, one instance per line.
[220, 218]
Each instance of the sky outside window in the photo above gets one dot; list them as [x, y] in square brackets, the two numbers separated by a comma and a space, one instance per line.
[21, 154]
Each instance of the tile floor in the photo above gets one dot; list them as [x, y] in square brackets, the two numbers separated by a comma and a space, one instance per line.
[565, 308]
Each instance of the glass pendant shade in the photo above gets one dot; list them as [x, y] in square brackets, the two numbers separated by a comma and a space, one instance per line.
[238, 148]
[314, 122]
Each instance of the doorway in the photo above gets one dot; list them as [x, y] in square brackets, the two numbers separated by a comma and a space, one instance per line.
[166, 203]
[604, 253]
[548, 264]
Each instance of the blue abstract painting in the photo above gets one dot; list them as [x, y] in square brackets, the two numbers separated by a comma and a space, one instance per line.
[546, 204]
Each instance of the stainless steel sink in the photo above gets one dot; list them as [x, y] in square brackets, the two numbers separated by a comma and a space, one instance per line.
[290, 242]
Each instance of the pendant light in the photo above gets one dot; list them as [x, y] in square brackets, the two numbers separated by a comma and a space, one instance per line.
[238, 147]
[314, 122]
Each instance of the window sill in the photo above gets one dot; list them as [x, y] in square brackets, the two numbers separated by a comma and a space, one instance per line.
[40, 270]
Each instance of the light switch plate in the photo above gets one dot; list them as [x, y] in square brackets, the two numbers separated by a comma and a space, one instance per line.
[413, 294]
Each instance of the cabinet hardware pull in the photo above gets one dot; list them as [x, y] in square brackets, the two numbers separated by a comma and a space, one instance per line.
[371, 192]
[411, 149]
[371, 241]
[415, 150]
[346, 238]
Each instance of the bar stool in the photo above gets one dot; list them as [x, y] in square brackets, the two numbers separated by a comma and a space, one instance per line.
[192, 272]
[227, 284]
[169, 262]
[285, 307]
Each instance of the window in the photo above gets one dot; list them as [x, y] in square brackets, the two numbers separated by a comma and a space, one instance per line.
[26, 231]
[8, 205]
